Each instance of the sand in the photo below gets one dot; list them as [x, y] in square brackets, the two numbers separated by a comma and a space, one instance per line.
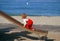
[12, 32]
[38, 20]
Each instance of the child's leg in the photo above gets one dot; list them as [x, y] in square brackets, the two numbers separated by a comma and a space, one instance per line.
[29, 27]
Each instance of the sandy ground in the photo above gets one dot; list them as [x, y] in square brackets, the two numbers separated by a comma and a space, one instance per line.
[11, 32]
[38, 20]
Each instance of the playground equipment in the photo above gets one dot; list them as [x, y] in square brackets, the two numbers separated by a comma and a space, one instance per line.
[40, 32]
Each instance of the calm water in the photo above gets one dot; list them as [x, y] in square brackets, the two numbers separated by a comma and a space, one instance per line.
[31, 7]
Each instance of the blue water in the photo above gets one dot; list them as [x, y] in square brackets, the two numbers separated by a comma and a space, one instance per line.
[34, 7]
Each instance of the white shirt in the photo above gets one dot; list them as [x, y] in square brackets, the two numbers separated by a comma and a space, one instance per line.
[24, 21]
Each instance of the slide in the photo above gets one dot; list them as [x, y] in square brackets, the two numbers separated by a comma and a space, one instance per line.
[20, 24]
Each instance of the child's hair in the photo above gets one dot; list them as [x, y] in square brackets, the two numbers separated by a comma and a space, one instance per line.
[23, 15]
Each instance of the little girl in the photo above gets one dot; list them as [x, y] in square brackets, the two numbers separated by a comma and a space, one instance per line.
[27, 22]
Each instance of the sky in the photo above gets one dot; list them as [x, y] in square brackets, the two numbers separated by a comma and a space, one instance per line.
[33, 0]
[15, 6]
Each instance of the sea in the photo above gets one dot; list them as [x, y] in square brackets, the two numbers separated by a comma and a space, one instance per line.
[31, 7]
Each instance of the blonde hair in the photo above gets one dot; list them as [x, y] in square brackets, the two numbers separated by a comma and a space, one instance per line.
[23, 15]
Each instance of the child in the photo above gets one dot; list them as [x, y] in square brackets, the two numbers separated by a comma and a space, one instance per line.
[27, 22]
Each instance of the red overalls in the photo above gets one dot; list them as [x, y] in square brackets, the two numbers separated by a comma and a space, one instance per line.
[29, 24]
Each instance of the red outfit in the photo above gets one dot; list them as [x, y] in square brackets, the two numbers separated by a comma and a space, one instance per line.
[28, 24]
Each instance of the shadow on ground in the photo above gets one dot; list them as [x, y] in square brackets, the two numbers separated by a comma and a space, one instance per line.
[11, 37]
[18, 35]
